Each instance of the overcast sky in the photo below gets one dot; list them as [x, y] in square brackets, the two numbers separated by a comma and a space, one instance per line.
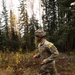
[33, 6]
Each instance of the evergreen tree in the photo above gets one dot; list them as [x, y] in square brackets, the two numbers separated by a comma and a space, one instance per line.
[23, 23]
[60, 28]
[23, 17]
[28, 38]
[5, 17]
[33, 25]
[66, 21]
[13, 42]
[3, 26]
[50, 20]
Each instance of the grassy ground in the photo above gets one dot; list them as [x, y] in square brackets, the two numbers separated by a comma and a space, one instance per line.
[23, 64]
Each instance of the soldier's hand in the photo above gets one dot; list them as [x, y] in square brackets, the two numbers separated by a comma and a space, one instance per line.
[35, 56]
[44, 61]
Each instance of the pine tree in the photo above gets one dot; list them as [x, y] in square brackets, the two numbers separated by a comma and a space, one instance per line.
[3, 26]
[14, 41]
[50, 18]
[60, 28]
[23, 24]
[66, 22]
[23, 17]
[5, 17]
[33, 25]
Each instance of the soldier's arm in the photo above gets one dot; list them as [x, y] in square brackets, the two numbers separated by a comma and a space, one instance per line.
[38, 55]
[54, 52]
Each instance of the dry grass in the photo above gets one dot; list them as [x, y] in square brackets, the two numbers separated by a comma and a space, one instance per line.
[18, 63]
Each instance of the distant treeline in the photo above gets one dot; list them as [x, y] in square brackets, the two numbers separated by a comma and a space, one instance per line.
[58, 23]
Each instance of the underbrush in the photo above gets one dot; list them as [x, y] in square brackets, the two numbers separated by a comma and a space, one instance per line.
[19, 63]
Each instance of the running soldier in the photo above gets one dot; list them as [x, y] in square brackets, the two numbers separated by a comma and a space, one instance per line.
[48, 53]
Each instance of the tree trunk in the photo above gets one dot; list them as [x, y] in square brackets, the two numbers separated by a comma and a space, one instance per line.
[69, 44]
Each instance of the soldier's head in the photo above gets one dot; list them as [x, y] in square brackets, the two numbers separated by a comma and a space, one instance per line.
[39, 35]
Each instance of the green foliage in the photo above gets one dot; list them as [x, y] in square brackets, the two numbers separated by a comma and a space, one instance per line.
[58, 22]
[60, 28]
[2, 41]
[5, 17]
[49, 19]
[3, 26]
[28, 38]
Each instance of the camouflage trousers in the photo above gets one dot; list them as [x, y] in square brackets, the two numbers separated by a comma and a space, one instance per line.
[48, 68]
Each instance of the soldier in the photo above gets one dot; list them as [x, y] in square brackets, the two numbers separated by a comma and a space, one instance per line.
[48, 52]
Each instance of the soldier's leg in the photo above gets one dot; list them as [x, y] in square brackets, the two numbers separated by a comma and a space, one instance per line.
[42, 73]
[53, 70]
[43, 70]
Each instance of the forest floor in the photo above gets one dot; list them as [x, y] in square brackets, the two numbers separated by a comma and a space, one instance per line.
[18, 63]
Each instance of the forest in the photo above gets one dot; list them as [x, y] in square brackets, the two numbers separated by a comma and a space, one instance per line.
[17, 40]
[58, 23]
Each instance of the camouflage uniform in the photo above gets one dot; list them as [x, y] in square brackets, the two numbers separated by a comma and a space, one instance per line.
[47, 51]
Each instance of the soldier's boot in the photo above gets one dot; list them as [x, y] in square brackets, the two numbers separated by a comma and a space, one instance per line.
[43, 73]
[54, 72]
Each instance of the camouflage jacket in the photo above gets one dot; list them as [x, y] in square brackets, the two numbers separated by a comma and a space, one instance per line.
[47, 50]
